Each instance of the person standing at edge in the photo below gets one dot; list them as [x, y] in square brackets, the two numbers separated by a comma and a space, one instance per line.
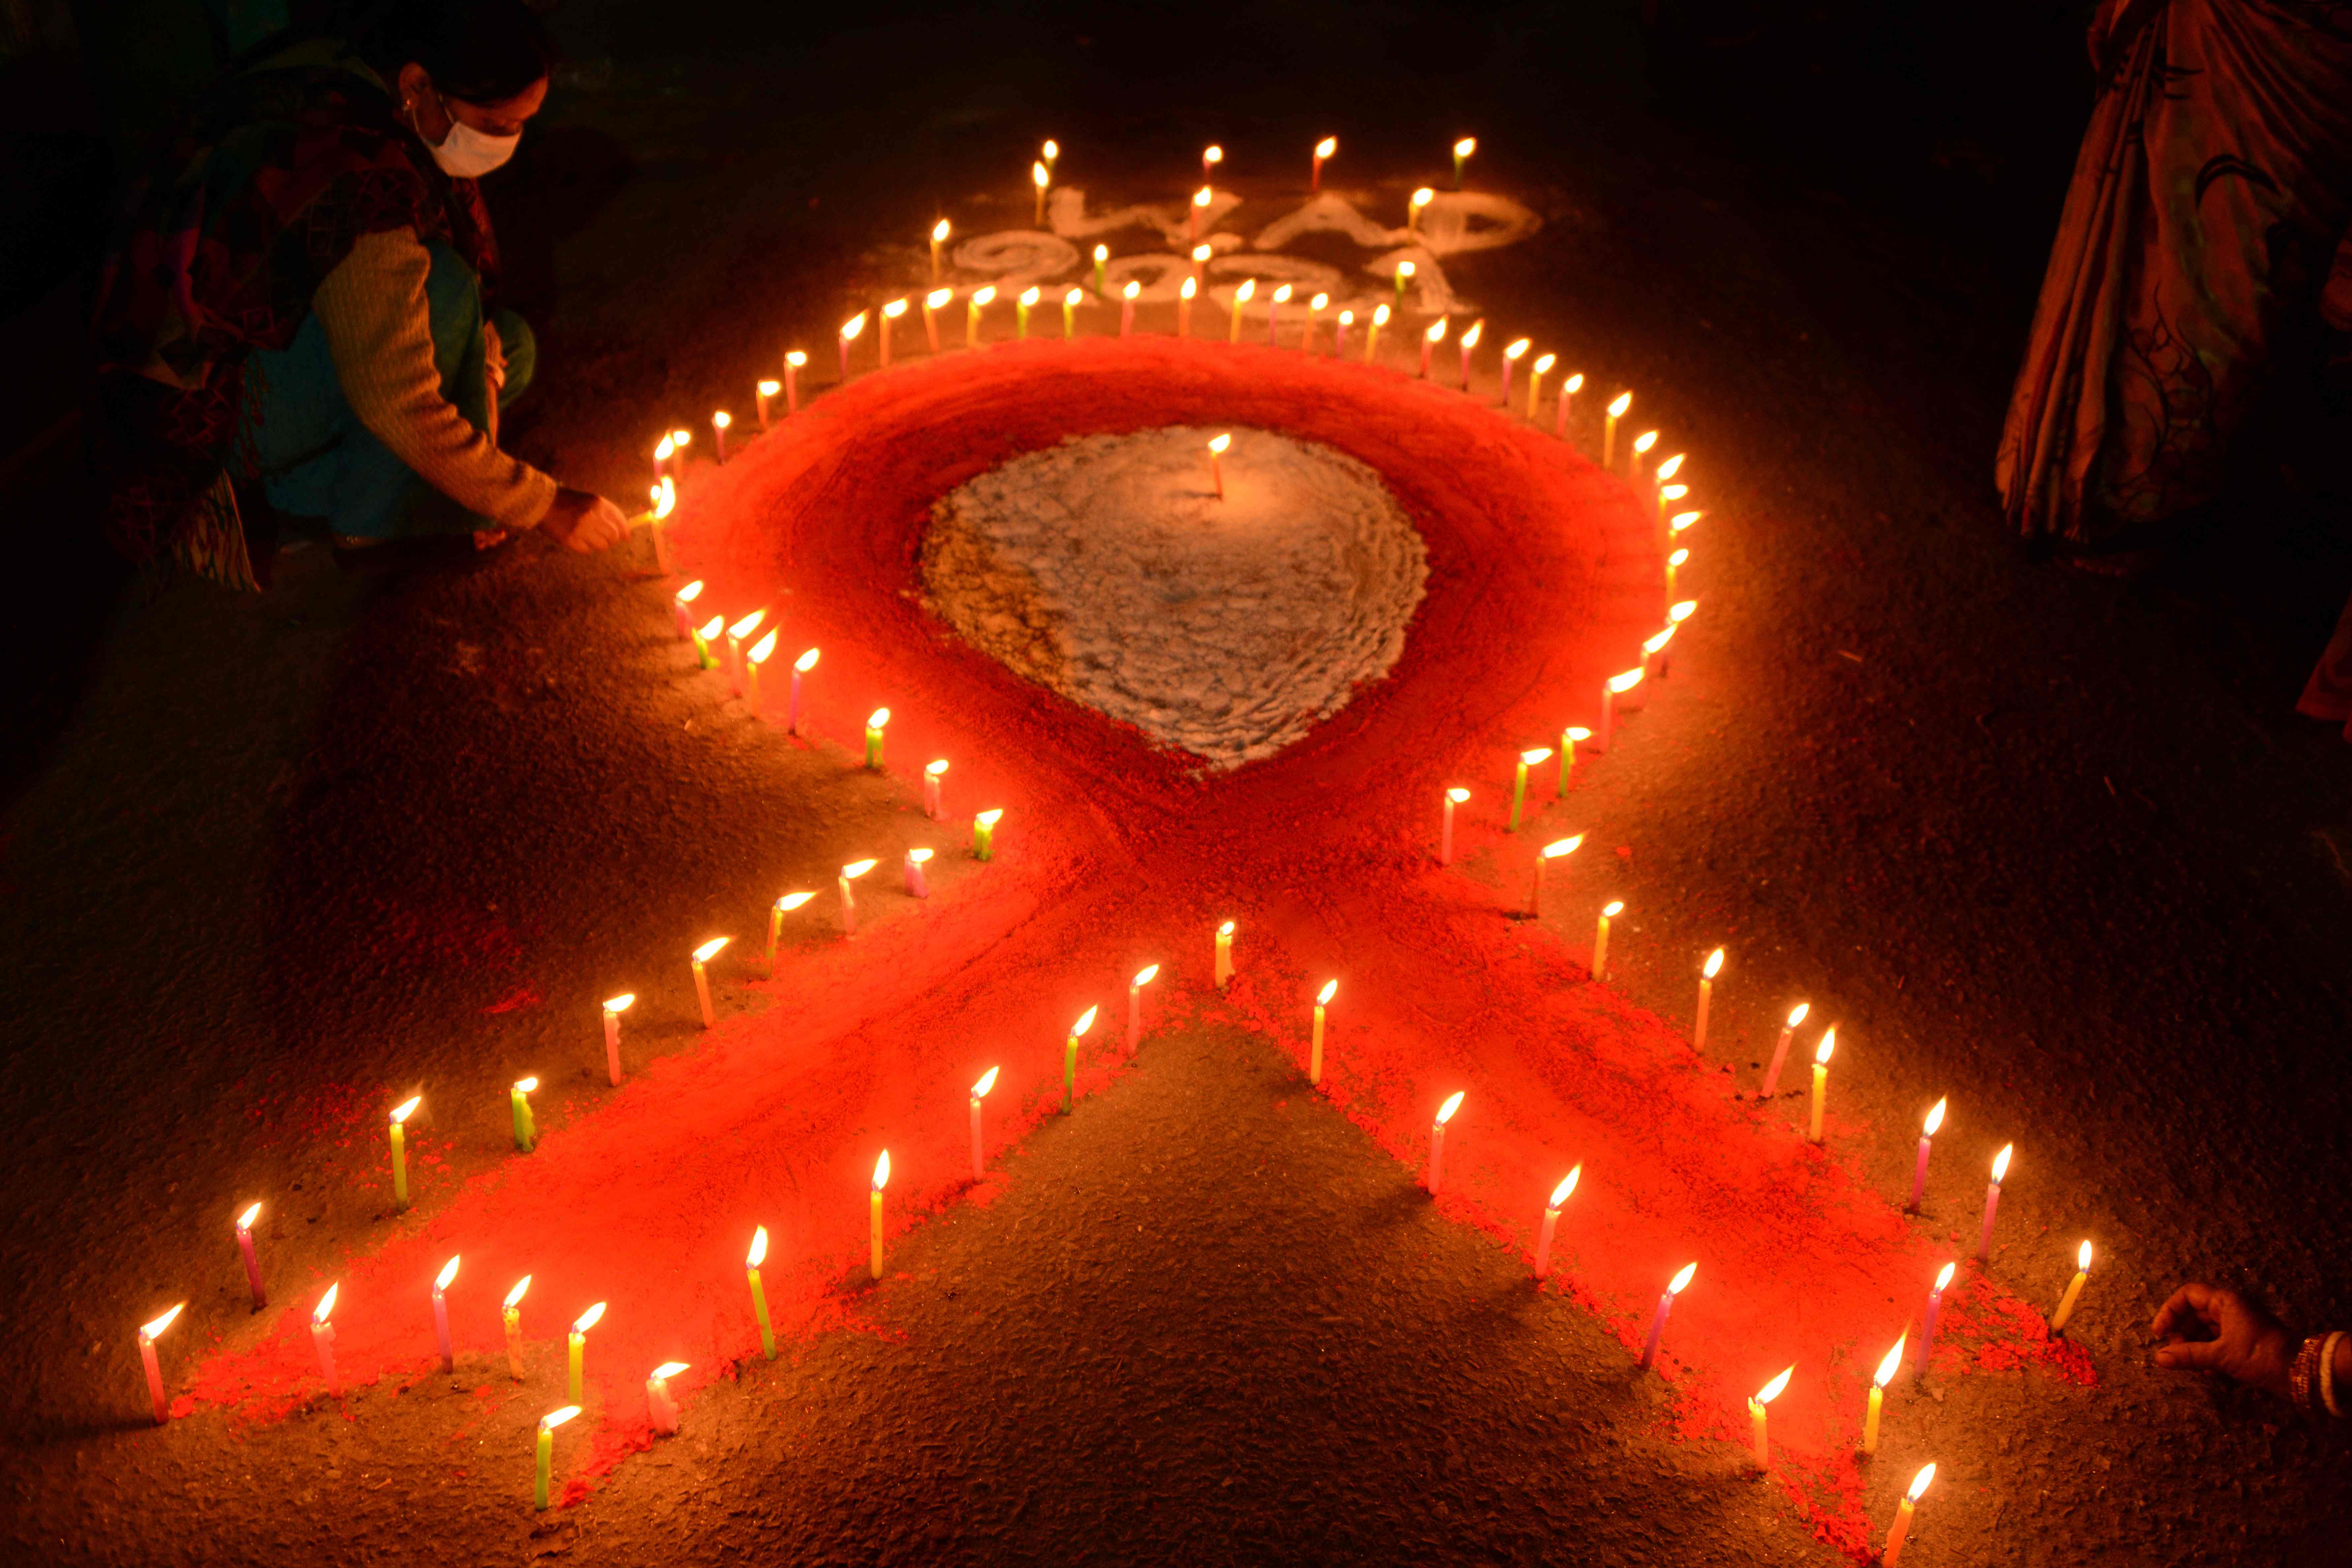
[297, 318]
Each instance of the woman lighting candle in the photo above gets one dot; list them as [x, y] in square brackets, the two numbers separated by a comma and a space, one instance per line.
[1934, 1310]
[1315, 1045]
[526, 1130]
[252, 1264]
[800, 667]
[322, 1339]
[1323, 151]
[702, 957]
[984, 834]
[1241, 297]
[981, 298]
[1706, 973]
[1820, 1082]
[579, 1351]
[1927, 1141]
[1143, 977]
[1878, 1382]
[1615, 412]
[1764, 1397]
[1551, 852]
[1519, 782]
[874, 1213]
[149, 1333]
[1992, 1202]
[1902, 1526]
[1781, 1049]
[1224, 955]
[510, 1317]
[1453, 797]
[398, 1134]
[2065, 1312]
[793, 361]
[1613, 687]
[661, 1409]
[850, 873]
[935, 301]
[1070, 1059]
[1437, 1142]
[546, 1451]
[1675, 1288]
[1609, 912]
[980, 1092]
[752, 1262]
[1127, 298]
[849, 330]
[614, 1007]
[1560, 1196]
[441, 1283]
[875, 723]
[1429, 341]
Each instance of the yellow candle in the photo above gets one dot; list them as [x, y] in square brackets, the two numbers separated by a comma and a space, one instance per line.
[1241, 297]
[1878, 1382]
[511, 1314]
[580, 1327]
[1764, 1397]
[1224, 954]
[940, 232]
[785, 906]
[1315, 1051]
[546, 1449]
[979, 300]
[881, 1180]
[1821, 1081]
[398, 1134]
[1713, 967]
[702, 956]
[751, 1261]
[1373, 338]
[1609, 912]
[1616, 411]
[1041, 178]
[1902, 1527]
[2073, 1291]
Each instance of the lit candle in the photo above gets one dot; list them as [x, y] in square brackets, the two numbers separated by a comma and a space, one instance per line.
[1051, 153]
[793, 363]
[510, 1313]
[765, 391]
[1339, 333]
[1461, 150]
[1935, 1309]
[1666, 469]
[614, 1007]
[933, 773]
[1708, 971]
[752, 1262]
[1070, 1059]
[1217, 446]
[1609, 912]
[984, 834]
[1780, 1050]
[680, 441]
[547, 1425]
[1902, 1525]
[981, 298]
[2073, 1291]
[849, 329]
[1535, 381]
[918, 887]
[665, 450]
[1560, 1196]
[1143, 977]
[1373, 338]
[1323, 151]
[875, 722]
[1070, 313]
[1613, 687]
[1821, 1081]
[579, 1357]
[1926, 1139]
[526, 1131]
[881, 1180]
[1675, 563]
[1513, 353]
[1273, 304]
[677, 604]
[1210, 156]
[1549, 853]
[702, 956]
[1315, 1050]
[735, 636]
[1470, 340]
[704, 636]
[1520, 782]
[1437, 1142]
[1429, 341]
[1568, 391]
[1412, 209]
[1404, 271]
[1102, 260]
[940, 232]
[441, 1314]
[1992, 1202]
[850, 873]
[149, 1333]
[1453, 797]
[1878, 1382]
[1127, 298]
[757, 655]
[245, 1249]
[660, 1408]
[783, 905]
[721, 423]
[1040, 176]
[398, 1132]
[1314, 310]
[800, 667]
[1615, 410]
[1675, 1288]
[322, 1339]
[1569, 737]
[1225, 968]
[1654, 653]
[1764, 1397]
[1642, 445]
[980, 1092]
[1020, 303]
[1241, 297]
[934, 302]
[1191, 286]
[1201, 199]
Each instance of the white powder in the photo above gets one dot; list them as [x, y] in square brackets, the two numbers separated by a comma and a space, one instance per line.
[1106, 569]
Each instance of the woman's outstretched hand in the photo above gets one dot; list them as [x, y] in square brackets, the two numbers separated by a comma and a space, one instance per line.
[2206, 1329]
[584, 520]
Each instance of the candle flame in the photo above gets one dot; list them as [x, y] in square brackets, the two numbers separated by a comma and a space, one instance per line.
[792, 901]
[1085, 1021]
[762, 651]
[1380, 317]
[747, 626]
[1828, 1044]
[1241, 295]
[1919, 1482]
[663, 448]
[1544, 363]
[937, 297]
[526, 1085]
[710, 629]
[1688, 609]
[990, 818]
[1622, 684]
[1624, 401]
[1470, 338]
[1423, 196]
[770, 388]
[245, 1221]
[1131, 290]
[759, 1253]
[722, 420]
[796, 359]
[1404, 269]
[684, 438]
[1530, 759]
[1560, 846]
[1668, 468]
[514, 1297]
[1559, 1195]
[1886, 1372]
[882, 1171]
[1612, 909]
[668, 1370]
[895, 308]
[1102, 253]
[855, 325]
[1657, 643]
[1457, 796]
[1714, 964]
[665, 498]
[589, 1318]
[709, 950]
[1074, 295]
[987, 1081]
[1191, 287]
[2083, 1257]
[920, 857]
[1325, 148]
[620, 1003]
[1944, 1277]
[1514, 350]
[806, 662]
[554, 1418]
[856, 869]
[1644, 441]
[1282, 295]
[149, 1330]
[1218, 444]
[1213, 155]
[2001, 1163]
[1200, 197]
[1445, 1112]
[1678, 558]
[1347, 318]
[1317, 303]
[879, 718]
[1681, 1281]
[1032, 294]
[1935, 1118]
[1467, 145]
[1578, 732]
[1052, 149]
[1146, 975]
[1323, 998]
[449, 1272]
[1037, 176]
[984, 296]
[407, 1108]
[1772, 1391]
[687, 594]
[1573, 384]
[939, 231]
[1225, 929]
[1436, 333]
[1673, 492]
[326, 1306]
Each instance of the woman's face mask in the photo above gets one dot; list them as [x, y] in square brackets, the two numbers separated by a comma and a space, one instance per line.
[467, 153]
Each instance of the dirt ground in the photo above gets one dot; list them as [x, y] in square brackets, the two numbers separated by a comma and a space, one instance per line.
[2047, 843]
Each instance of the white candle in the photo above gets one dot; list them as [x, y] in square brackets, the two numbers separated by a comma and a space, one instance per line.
[1764, 1397]
[933, 774]
[776, 913]
[1781, 1051]
[1437, 1142]
[980, 1092]
[2065, 1312]
[881, 1180]
[849, 874]
[1559, 1195]
[252, 1264]
[800, 667]
[1926, 1140]
[1708, 971]
[1453, 797]
[917, 885]
[793, 363]
[735, 636]
[1992, 1201]
[1616, 686]
[1820, 1081]
[935, 301]
[661, 1409]
[1609, 912]
[1568, 391]
[1143, 977]
[1549, 853]
[702, 956]
[148, 1334]
[511, 1316]
[1315, 1050]
[614, 1007]
[441, 1315]
[322, 1339]
[1675, 1288]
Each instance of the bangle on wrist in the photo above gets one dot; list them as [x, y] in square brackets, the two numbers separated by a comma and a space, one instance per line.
[2299, 1380]
[2328, 1375]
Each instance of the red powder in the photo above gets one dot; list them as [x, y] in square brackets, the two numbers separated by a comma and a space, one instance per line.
[1543, 577]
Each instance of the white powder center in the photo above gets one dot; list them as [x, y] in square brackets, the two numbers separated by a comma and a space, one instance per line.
[1106, 569]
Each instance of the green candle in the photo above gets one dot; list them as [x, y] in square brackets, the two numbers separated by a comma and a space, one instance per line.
[758, 1297]
[400, 1113]
[972, 316]
[526, 1131]
[984, 834]
[874, 723]
[1403, 275]
[547, 1425]
[1070, 1059]
[1241, 297]
[1519, 782]
[1070, 312]
[703, 636]
[1567, 740]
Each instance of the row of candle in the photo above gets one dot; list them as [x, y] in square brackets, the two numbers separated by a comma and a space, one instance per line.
[1041, 175]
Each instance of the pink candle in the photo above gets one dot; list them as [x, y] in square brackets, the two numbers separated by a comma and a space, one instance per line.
[677, 604]
[980, 1092]
[1126, 308]
[661, 1407]
[1453, 797]
[1927, 1137]
[1559, 1195]
[1613, 687]
[1510, 362]
[1437, 1142]
[793, 363]
[1469, 342]
[252, 1264]
[932, 773]
[1992, 1201]
[1934, 1310]
[1143, 977]
[148, 1334]
[441, 1315]
[849, 874]
[613, 1008]
[1568, 391]
[849, 329]
[916, 886]
[1781, 1051]
[1675, 1288]
[800, 667]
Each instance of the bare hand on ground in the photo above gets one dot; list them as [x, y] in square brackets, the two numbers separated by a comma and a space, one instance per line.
[585, 521]
[2206, 1329]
